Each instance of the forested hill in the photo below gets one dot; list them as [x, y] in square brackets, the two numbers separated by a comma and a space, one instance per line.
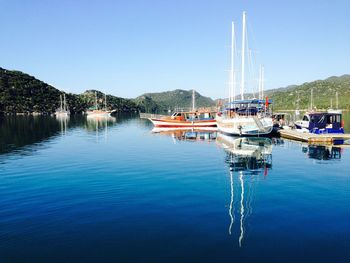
[324, 93]
[22, 93]
[161, 101]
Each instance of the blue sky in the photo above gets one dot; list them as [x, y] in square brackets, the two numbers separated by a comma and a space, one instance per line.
[127, 48]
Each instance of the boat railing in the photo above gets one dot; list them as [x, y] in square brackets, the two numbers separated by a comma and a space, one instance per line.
[199, 109]
[152, 116]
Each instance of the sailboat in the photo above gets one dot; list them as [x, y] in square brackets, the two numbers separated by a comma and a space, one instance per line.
[186, 119]
[62, 111]
[95, 112]
[245, 116]
[336, 110]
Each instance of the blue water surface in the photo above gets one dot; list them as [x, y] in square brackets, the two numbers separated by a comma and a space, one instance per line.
[82, 190]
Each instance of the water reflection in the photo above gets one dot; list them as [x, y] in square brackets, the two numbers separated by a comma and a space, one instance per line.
[198, 135]
[322, 152]
[99, 125]
[18, 132]
[248, 158]
[63, 121]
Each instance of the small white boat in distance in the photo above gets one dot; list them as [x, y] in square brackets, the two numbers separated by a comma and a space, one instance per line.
[98, 113]
[62, 111]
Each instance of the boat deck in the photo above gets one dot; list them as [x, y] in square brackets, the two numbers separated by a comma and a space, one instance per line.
[329, 138]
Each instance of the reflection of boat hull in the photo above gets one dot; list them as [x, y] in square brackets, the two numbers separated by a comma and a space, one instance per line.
[98, 114]
[247, 126]
[204, 129]
[62, 114]
[188, 134]
[169, 123]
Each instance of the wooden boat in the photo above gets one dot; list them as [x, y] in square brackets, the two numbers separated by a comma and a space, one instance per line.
[186, 119]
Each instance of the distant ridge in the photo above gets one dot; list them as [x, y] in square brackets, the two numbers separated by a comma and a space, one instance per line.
[22, 93]
[172, 99]
[286, 98]
[323, 92]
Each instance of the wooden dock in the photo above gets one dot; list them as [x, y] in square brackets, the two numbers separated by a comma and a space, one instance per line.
[328, 138]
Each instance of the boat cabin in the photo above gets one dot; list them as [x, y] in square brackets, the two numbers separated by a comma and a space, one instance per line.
[193, 116]
[324, 122]
[280, 119]
[248, 107]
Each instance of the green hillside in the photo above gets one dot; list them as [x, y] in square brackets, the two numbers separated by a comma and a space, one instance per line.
[113, 102]
[22, 93]
[323, 92]
[161, 101]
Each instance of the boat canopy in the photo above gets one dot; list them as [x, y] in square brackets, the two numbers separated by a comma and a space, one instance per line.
[324, 120]
[252, 101]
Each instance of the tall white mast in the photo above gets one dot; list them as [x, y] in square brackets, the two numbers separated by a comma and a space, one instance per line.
[61, 109]
[95, 100]
[259, 84]
[64, 102]
[336, 99]
[243, 54]
[193, 100]
[233, 76]
[312, 99]
[105, 102]
[262, 81]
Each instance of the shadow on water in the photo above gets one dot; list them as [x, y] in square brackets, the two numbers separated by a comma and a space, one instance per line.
[19, 132]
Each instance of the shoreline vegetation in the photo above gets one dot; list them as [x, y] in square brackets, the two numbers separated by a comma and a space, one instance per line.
[22, 94]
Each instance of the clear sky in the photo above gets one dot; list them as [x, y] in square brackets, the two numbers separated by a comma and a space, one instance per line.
[130, 47]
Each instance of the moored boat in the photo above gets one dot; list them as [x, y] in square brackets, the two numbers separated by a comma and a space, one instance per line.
[186, 119]
[244, 117]
[321, 122]
[94, 112]
[249, 118]
[63, 110]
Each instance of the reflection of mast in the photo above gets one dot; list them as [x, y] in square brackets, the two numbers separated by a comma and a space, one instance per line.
[231, 209]
[242, 209]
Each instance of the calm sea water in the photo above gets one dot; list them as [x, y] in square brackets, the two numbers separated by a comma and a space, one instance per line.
[81, 190]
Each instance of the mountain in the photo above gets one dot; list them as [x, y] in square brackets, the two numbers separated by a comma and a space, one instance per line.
[22, 93]
[113, 102]
[323, 92]
[162, 101]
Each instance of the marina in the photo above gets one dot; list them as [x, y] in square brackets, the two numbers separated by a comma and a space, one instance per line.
[175, 131]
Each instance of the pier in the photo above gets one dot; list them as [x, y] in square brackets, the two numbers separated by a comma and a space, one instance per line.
[329, 138]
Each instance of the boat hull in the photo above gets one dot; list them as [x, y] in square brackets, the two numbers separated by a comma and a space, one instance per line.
[245, 126]
[166, 123]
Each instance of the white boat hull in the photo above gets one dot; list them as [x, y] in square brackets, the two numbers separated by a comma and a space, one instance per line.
[245, 125]
[98, 115]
